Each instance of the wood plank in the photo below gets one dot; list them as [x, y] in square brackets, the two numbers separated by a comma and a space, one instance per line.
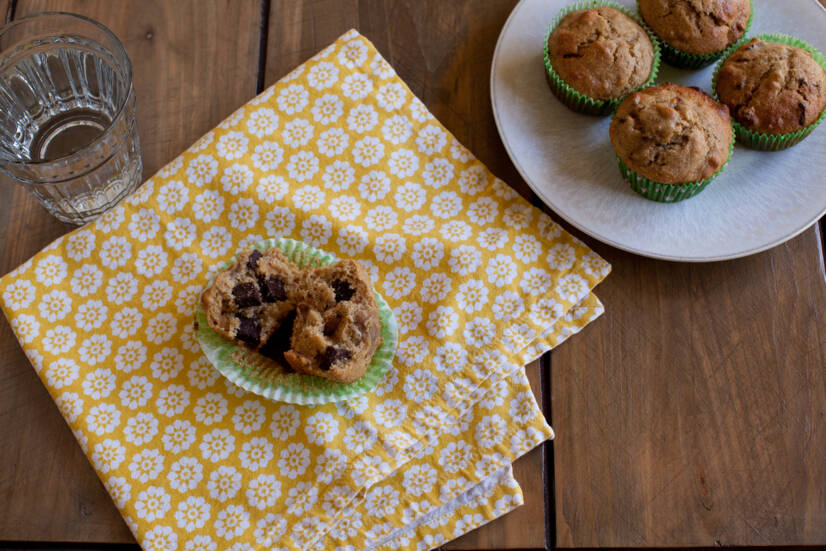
[193, 64]
[694, 412]
[443, 52]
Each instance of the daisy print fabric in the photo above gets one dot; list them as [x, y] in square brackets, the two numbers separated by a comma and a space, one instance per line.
[341, 155]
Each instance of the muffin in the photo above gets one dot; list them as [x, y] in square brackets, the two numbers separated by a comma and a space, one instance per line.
[319, 321]
[337, 327]
[671, 141]
[594, 57]
[694, 33]
[776, 91]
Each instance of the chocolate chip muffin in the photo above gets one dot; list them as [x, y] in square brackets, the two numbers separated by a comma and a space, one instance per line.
[337, 326]
[772, 88]
[248, 302]
[672, 134]
[601, 53]
[321, 321]
[697, 27]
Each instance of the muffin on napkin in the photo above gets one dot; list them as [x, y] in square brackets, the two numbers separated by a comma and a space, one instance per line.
[319, 321]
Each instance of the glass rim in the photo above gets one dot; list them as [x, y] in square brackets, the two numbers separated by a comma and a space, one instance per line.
[120, 51]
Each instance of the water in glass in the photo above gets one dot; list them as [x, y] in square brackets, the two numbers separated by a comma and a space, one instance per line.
[69, 134]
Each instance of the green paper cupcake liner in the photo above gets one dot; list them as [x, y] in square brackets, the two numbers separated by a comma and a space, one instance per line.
[570, 97]
[684, 60]
[268, 378]
[761, 140]
[668, 193]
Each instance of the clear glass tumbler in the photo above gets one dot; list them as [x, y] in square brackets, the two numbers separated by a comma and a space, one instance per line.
[68, 132]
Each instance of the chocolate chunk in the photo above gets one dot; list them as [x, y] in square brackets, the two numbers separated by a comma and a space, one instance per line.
[252, 260]
[279, 342]
[802, 107]
[342, 290]
[568, 56]
[246, 295]
[248, 331]
[333, 355]
[272, 288]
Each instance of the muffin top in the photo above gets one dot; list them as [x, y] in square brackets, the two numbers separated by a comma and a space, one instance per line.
[697, 26]
[601, 53]
[772, 88]
[672, 134]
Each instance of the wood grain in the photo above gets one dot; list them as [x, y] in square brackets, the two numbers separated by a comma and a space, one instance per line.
[443, 52]
[194, 63]
[694, 411]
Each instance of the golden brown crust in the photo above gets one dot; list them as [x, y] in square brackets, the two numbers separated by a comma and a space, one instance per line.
[697, 27]
[772, 88]
[672, 134]
[601, 53]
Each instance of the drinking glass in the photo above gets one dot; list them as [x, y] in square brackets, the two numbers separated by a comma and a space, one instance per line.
[68, 132]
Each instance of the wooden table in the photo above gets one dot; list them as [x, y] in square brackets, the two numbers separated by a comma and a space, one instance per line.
[693, 413]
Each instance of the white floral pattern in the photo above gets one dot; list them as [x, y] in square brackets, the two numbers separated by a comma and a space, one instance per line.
[342, 156]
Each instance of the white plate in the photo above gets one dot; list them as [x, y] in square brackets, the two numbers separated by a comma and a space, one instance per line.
[761, 200]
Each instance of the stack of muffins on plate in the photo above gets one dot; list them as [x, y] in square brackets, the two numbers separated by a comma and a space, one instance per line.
[672, 141]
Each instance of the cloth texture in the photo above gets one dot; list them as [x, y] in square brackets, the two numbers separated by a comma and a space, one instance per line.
[341, 155]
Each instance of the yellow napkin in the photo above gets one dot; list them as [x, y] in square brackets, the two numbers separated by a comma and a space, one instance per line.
[463, 504]
[341, 155]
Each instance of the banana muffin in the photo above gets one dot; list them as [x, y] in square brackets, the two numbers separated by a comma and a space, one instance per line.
[698, 27]
[672, 134]
[772, 88]
[320, 321]
[601, 53]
